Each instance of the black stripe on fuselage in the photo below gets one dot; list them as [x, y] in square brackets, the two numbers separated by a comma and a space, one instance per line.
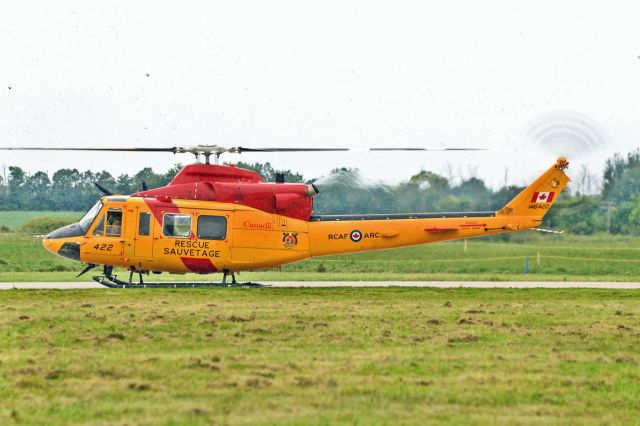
[328, 218]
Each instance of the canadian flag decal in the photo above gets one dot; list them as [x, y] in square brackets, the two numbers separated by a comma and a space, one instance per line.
[542, 197]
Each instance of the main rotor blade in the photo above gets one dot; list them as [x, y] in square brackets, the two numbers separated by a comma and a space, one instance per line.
[14, 148]
[201, 148]
[218, 150]
[428, 149]
[242, 149]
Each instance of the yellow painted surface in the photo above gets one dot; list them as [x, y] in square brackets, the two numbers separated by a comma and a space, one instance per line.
[255, 239]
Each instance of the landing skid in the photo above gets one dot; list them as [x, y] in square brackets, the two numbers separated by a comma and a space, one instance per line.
[111, 281]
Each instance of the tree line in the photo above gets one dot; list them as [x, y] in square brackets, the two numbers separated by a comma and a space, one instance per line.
[615, 208]
[70, 189]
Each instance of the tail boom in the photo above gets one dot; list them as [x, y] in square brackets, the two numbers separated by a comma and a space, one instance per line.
[349, 234]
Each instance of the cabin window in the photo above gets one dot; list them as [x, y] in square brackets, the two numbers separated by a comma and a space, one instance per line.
[99, 229]
[114, 223]
[144, 224]
[176, 225]
[212, 227]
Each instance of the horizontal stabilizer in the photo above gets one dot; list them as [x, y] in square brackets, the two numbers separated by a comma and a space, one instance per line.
[549, 231]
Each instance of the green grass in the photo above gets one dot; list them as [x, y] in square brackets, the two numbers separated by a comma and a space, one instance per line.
[319, 356]
[265, 276]
[601, 258]
[14, 219]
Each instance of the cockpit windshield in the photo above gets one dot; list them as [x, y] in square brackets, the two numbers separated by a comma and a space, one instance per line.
[87, 219]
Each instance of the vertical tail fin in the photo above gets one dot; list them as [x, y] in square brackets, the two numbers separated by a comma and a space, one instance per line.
[534, 201]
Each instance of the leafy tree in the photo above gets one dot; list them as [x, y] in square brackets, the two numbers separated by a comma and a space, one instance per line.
[64, 196]
[626, 187]
[3, 193]
[632, 224]
[172, 172]
[581, 214]
[16, 193]
[268, 173]
[475, 193]
[427, 179]
[149, 177]
[124, 184]
[621, 177]
[505, 194]
[36, 190]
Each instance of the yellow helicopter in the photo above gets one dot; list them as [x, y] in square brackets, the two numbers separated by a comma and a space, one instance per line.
[218, 218]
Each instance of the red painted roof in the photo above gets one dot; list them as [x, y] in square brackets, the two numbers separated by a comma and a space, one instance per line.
[214, 173]
[230, 184]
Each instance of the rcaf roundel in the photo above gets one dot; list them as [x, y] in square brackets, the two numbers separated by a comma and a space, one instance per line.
[542, 197]
[355, 235]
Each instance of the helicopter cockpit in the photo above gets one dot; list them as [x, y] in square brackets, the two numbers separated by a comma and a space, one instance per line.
[79, 228]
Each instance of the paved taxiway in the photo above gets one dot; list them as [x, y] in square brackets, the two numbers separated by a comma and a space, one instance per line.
[320, 284]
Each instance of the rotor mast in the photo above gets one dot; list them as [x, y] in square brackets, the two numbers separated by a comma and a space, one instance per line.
[206, 151]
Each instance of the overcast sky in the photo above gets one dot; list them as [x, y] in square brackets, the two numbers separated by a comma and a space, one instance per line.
[301, 74]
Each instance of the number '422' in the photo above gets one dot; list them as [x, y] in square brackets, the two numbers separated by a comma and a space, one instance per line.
[103, 247]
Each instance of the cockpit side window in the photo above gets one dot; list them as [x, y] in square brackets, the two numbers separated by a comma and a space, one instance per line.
[114, 223]
[87, 219]
[99, 229]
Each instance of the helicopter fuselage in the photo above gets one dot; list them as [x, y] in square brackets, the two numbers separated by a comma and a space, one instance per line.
[149, 233]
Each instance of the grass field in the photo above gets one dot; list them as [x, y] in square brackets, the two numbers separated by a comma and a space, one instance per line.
[14, 219]
[319, 356]
[331, 356]
[551, 258]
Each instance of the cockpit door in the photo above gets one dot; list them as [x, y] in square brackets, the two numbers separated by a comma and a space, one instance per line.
[105, 239]
[193, 239]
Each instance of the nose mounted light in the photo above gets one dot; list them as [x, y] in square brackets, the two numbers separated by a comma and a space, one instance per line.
[311, 191]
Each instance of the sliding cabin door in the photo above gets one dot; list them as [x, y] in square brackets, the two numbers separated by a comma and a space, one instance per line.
[196, 240]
